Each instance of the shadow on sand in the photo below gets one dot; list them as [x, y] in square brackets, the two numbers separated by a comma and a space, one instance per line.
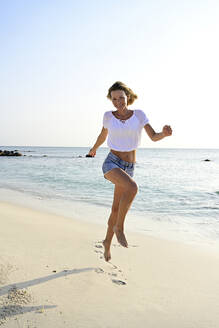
[4, 290]
[9, 311]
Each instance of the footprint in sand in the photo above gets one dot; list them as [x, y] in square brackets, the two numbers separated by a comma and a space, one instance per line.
[118, 282]
[98, 251]
[98, 246]
[112, 274]
[99, 270]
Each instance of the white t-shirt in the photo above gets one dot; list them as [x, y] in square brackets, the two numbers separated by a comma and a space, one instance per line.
[124, 135]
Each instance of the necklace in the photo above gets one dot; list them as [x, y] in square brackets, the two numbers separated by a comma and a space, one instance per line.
[122, 119]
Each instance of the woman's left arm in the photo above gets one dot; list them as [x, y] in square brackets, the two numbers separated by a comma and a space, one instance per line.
[167, 131]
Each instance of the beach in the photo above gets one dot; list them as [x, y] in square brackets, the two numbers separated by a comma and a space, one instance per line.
[53, 274]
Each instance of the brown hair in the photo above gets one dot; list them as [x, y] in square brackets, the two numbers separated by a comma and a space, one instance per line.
[121, 86]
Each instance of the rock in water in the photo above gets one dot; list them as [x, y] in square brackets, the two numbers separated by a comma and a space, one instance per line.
[10, 153]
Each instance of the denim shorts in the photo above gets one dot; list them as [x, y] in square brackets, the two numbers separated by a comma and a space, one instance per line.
[112, 161]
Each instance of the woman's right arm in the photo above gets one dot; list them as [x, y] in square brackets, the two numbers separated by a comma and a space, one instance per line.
[100, 140]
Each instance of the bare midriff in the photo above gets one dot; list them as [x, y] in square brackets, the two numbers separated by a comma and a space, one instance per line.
[128, 156]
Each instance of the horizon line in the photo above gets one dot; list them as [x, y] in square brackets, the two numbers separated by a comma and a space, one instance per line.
[14, 146]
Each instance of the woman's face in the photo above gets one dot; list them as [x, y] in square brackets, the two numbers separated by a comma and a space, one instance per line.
[119, 99]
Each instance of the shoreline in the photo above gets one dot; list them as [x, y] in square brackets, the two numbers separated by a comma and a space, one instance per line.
[52, 273]
[85, 212]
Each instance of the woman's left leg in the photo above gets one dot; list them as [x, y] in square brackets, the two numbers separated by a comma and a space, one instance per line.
[118, 191]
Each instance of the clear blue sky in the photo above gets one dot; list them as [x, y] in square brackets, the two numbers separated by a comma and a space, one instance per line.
[58, 59]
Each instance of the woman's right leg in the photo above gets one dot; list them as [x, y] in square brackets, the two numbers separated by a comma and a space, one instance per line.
[112, 222]
[129, 189]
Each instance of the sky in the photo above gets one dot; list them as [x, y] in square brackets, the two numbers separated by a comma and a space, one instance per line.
[59, 58]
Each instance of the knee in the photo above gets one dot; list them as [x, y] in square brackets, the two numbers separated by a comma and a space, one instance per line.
[133, 188]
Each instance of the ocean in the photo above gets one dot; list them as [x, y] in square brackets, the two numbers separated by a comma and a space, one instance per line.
[178, 194]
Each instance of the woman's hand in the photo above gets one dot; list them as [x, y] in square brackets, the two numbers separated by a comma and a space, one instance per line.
[167, 131]
[92, 152]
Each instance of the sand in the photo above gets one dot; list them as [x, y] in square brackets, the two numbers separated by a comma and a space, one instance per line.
[53, 274]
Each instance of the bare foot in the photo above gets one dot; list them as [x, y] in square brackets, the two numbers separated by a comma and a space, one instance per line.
[120, 237]
[106, 253]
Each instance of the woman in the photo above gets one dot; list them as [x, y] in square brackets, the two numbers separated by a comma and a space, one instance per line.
[123, 127]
